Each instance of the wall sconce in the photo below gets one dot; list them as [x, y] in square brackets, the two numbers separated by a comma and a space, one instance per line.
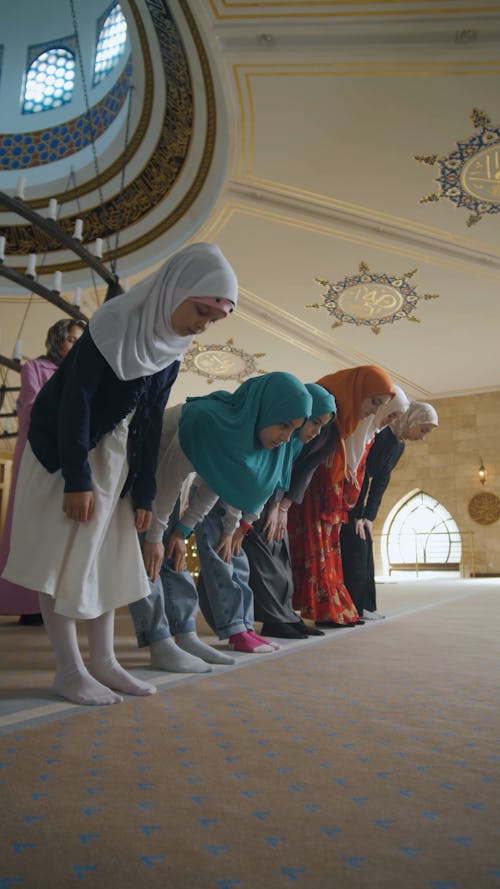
[482, 472]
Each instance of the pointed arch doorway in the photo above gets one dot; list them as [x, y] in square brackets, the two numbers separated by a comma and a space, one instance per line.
[419, 536]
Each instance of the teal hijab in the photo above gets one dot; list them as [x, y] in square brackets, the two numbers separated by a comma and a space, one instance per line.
[219, 433]
[322, 403]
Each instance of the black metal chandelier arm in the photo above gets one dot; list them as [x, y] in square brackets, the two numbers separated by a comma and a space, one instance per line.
[51, 228]
[11, 364]
[30, 283]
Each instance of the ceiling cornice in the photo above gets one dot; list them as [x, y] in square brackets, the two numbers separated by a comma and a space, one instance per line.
[381, 228]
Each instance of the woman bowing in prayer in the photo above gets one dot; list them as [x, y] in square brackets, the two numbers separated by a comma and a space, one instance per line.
[93, 445]
[237, 443]
[314, 525]
[267, 547]
[356, 538]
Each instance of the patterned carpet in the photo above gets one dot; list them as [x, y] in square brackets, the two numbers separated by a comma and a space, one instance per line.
[365, 759]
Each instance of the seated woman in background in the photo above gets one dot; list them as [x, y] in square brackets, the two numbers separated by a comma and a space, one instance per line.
[356, 538]
[61, 336]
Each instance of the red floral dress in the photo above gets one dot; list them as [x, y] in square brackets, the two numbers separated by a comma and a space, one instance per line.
[314, 531]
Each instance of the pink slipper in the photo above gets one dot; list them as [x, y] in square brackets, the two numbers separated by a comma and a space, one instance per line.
[249, 644]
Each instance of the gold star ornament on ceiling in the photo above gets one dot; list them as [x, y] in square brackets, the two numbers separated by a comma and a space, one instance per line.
[368, 299]
[216, 362]
[470, 174]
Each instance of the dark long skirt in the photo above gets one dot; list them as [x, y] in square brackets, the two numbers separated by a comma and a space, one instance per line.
[358, 568]
[271, 577]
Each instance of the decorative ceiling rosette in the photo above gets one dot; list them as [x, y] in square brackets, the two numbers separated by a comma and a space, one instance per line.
[470, 175]
[221, 362]
[369, 299]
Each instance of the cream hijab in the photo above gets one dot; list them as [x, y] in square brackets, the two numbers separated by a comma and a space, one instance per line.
[418, 413]
[356, 443]
[134, 332]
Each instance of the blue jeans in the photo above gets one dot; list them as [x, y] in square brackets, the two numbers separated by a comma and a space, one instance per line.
[172, 604]
[226, 600]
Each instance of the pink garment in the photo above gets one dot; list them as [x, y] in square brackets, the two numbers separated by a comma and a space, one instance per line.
[16, 599]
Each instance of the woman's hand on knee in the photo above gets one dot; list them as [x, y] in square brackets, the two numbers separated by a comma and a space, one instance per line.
[143, 519]
[236, 541]
[224, 547]
[152, 554]
[78, 506]
[271, 523]
[359, 527]
[176, 550]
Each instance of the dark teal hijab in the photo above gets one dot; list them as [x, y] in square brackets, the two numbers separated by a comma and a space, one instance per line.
[322, 403]
[219, 433]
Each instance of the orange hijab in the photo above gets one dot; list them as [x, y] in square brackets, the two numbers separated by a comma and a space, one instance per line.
[350, 387]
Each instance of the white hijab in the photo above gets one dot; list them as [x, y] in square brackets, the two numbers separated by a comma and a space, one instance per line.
[356, 443]
[134, 332]
[418, 413]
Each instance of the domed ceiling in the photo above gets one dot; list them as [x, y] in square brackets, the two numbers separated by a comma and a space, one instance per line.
[129, 157]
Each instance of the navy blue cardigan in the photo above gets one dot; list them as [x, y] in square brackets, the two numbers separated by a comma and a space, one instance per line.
[85, 400]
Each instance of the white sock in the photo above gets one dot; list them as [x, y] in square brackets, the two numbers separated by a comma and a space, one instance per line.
[372, 615]
[103, 664]
[72, 680]
[191, 643]
[166, 655]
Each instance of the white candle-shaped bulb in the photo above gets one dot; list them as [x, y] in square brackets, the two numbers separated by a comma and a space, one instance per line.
[2, 248]
[53, 208]
[78, 232]
[77, 297]
[98, 248]
[18, 350]
[21, 184]
[57, 282]
[31, 267]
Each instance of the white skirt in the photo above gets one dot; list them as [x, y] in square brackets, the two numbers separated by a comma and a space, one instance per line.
[88, 567]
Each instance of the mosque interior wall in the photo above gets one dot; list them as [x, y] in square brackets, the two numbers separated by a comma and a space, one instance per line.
[445, 466]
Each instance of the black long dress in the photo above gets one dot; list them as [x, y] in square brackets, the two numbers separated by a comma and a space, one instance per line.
[271, 577]
[357, 554]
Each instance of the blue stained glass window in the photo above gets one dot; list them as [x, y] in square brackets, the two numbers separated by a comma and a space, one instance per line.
[49, 81]
[110, 44]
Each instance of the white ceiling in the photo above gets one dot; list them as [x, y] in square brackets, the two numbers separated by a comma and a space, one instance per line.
[328, 115]
[325, 106]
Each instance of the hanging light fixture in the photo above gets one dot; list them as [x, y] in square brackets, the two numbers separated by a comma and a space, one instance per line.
[482, 472]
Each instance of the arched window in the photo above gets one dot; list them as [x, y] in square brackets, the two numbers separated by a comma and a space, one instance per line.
[49, 80]
[422, 536]
[110, 43]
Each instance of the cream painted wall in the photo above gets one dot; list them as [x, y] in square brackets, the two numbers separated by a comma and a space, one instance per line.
[445, 465]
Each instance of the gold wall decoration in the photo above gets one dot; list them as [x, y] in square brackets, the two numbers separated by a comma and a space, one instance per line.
[470, 174]
[221, 362]
[484, 508]
[370, 299]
